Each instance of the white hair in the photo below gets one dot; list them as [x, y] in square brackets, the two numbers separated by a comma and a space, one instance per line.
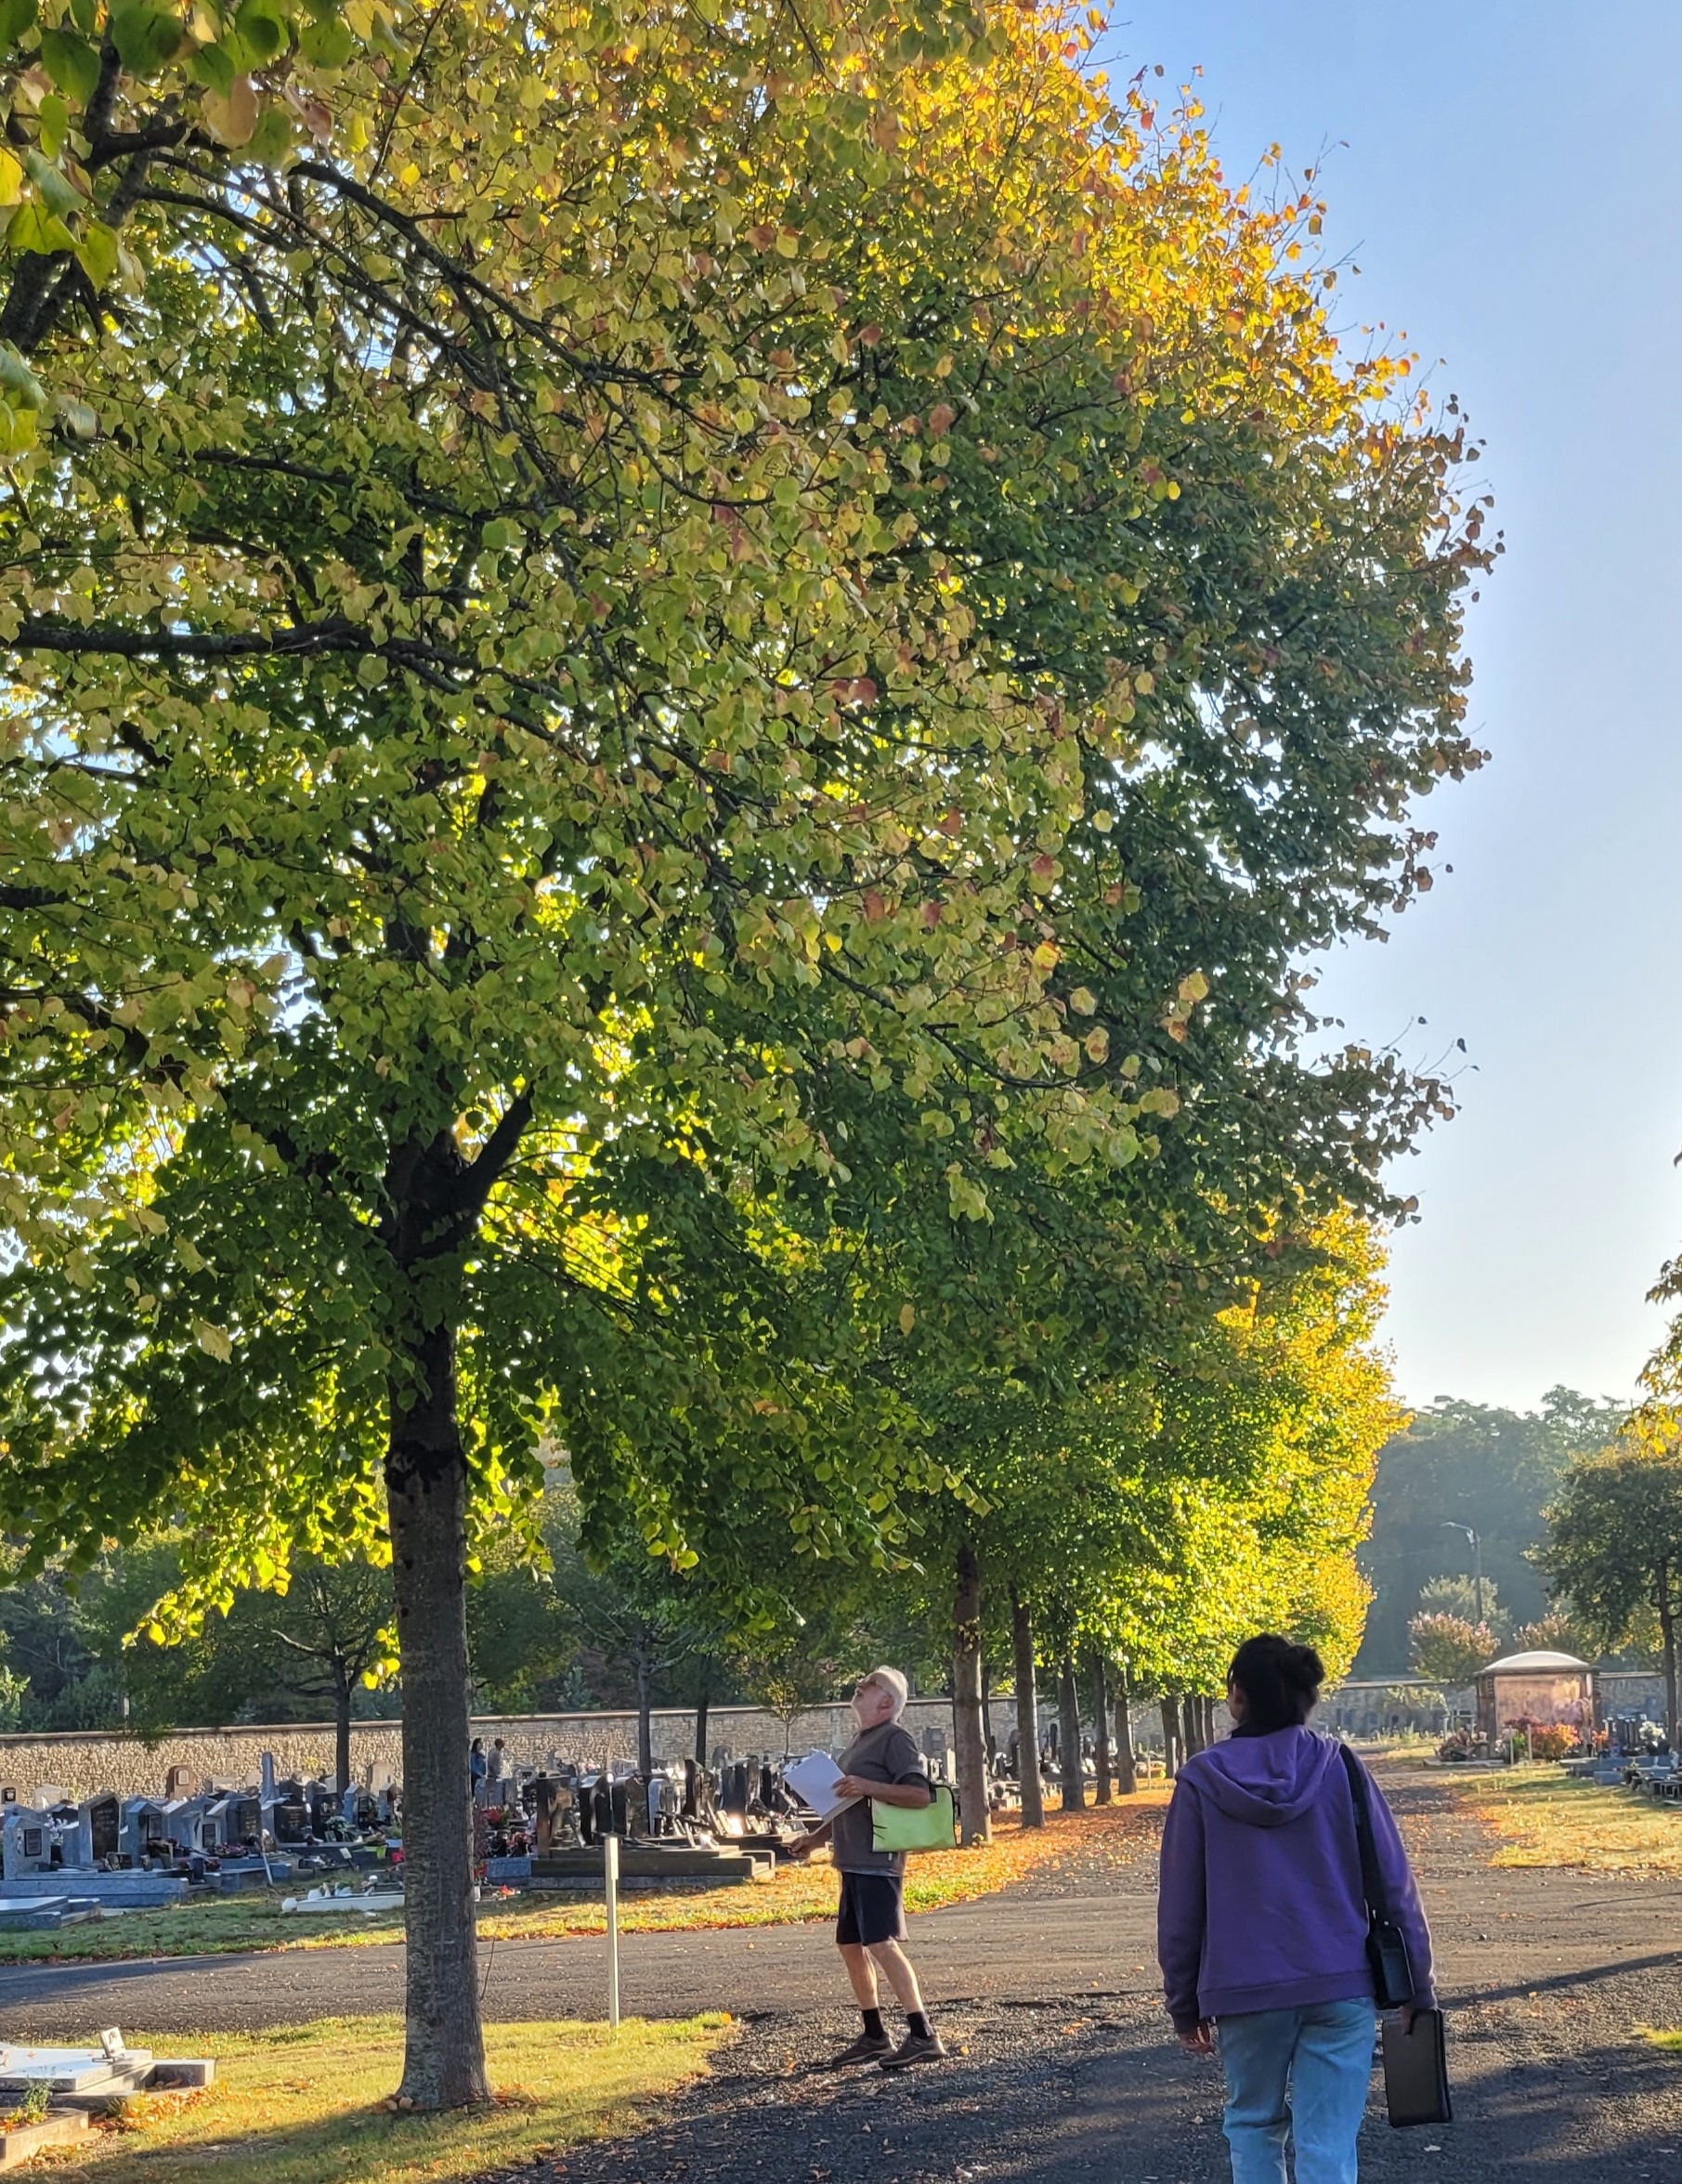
[896, 1683]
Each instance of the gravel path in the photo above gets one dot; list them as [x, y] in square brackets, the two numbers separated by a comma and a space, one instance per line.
[1062, 2066]
[1551, 1975]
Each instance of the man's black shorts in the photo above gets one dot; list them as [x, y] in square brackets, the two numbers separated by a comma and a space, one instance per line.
[872, 1908]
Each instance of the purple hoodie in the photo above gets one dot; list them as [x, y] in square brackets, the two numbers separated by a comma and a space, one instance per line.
[1262, 1905]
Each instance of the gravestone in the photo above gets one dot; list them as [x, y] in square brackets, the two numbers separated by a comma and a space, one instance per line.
[139, 1823]
[26, 1843]
[97, 1829]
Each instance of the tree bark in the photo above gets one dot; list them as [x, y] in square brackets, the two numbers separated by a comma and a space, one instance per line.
[341, 1726]
[702, 1707]
[1127, 1770]
[644, 1709]
[1100, 1733]
[976, 1823]
[1192, 1740]
[426, 1500]
[1068, 1738]
[1027, 1714]
[1170, 1737]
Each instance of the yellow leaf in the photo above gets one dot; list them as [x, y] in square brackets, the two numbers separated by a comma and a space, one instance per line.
[232, 115]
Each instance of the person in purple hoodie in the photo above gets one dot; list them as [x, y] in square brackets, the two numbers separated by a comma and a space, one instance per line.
[1262, 1922]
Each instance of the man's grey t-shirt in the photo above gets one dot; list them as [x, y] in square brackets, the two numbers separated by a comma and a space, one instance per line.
[884, 1753]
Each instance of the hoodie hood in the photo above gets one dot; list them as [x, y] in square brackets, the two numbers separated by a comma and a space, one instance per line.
[1264, 1781]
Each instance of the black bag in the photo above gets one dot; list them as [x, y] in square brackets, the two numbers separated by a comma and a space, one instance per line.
[1416, 2071]
[1385, 1950]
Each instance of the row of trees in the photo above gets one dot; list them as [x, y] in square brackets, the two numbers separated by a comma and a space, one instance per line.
[686, 692]
[1142, 1549]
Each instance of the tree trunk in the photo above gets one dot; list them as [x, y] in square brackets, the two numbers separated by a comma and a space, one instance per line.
[1192, 1738]
[341, 1726]
[644, 1709]
[1127, 1771]
[976, 1823]
[427, 1501]
[1068, 1738]
[1211, 1729]
[702, 1707]
[1667, 1634]
[1027, 1714]
[1170, 1737]
[1100, 1733]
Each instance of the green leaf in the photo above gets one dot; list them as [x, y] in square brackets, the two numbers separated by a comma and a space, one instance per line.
[97, 253]
[261, 29]
[72, 63]
[57, 192]
[18, 428]
[34, 229]
[145, 38]
[210, 66]
[18, 383]
[273, 137]
[55, 125]
[327, 44]
[16, 17]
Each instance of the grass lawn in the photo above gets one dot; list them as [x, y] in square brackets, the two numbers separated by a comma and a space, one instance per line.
[1113, 1835]
[304, 2104]
[1547, 1818]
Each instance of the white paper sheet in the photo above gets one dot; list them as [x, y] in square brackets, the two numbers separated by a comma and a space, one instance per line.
[812, 1780]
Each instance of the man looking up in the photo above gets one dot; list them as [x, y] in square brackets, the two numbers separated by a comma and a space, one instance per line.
[881, 1765]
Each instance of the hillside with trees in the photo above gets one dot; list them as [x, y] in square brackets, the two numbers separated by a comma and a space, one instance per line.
[1469, 1464]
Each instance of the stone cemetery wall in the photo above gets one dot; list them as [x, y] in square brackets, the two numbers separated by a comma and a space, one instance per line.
[84, 1763]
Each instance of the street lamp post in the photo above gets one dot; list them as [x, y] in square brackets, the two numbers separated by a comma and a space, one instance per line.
[1448, 1525]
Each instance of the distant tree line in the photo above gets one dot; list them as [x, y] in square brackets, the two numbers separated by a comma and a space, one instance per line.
[1470, 1464]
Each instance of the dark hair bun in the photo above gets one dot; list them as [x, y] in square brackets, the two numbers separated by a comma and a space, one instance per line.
[1280, 1681]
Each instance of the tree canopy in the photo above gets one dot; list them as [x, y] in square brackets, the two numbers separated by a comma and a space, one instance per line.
[622, 625]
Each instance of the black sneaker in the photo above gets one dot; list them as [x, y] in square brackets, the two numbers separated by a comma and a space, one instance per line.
[915, 2047]
[867, 2047]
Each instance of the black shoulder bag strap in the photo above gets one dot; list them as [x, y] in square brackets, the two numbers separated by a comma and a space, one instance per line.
[1385, 1950]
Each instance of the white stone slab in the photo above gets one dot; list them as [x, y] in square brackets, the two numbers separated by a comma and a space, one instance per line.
[66, 2070]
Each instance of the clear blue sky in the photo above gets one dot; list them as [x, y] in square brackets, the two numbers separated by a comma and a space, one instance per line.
[1506, 176]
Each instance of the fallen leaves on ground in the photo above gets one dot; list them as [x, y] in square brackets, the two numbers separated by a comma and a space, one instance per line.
[1105, 1836]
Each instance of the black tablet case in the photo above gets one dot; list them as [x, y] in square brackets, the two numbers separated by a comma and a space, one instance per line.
[1416, 2071]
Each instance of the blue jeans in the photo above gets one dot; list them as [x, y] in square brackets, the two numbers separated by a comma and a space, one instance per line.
[1323, 2053]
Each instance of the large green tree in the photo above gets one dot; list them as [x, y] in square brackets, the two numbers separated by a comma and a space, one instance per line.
[653, 585]
[1613, 1549]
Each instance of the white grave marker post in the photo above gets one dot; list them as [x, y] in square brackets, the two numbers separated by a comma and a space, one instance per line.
[610, 1876]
